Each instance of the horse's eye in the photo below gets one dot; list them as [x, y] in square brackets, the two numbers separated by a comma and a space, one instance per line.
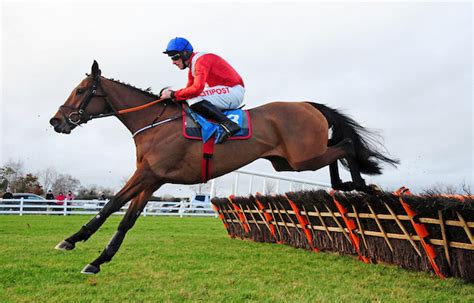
[79, 91]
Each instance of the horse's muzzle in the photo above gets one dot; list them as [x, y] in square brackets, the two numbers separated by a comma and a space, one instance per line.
[59, 125]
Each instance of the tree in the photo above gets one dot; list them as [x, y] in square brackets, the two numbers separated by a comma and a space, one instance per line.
[442, 188]
[28, 184]
[47, 177]
[297, 186]
[9, 174]
[64, 183]
[270, 186]
[5, 172]
[201, 188]
[92, 192]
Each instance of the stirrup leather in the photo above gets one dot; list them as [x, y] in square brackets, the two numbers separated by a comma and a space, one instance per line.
[226, 129]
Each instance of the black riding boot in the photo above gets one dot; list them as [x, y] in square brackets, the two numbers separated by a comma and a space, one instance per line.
[208, 110]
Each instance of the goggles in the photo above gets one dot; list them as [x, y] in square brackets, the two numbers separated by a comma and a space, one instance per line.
[175, 57]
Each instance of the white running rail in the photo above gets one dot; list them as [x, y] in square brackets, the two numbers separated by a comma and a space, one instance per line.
[83, 207]
[257, 182]
[302, 184]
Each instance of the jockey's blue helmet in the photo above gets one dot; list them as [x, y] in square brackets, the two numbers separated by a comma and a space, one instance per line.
[178, 45]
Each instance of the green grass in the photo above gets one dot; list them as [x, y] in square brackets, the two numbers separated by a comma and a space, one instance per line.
[193, 259]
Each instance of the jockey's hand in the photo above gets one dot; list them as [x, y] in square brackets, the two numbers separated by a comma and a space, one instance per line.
[166, 93]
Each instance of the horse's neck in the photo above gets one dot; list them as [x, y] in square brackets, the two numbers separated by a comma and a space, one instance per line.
[123, 97]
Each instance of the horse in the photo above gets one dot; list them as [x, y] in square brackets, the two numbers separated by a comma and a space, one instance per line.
[163, 155]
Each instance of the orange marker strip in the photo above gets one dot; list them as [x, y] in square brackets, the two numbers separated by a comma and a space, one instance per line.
[420, 230]
[240, 213]
[221, 216]
[268, 218]
[304, 224]
[351, 226]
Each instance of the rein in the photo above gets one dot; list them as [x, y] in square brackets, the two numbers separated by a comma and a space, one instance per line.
[140, 107]
[137, 108]
[127, 110]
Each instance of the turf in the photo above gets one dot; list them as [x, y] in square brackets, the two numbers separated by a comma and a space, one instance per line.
[193, 259]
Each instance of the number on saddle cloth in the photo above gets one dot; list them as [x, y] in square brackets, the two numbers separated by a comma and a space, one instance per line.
[195, 127]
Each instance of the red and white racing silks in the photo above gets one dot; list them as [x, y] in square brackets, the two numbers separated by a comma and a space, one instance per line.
[211, 78]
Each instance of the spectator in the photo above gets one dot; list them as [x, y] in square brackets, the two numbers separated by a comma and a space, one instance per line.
[60, 199]
[49, 195]
[102, 199]
[101, 196]
[8, 194]
[69, 196]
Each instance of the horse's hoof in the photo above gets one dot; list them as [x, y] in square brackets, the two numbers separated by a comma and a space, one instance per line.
[374, 189]
[90, 269]
[346, 186]
[64, 245]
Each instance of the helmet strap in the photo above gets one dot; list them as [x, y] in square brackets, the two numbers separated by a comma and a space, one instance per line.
[185, 57]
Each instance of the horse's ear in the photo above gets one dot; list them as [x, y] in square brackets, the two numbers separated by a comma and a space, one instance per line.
[95, 69]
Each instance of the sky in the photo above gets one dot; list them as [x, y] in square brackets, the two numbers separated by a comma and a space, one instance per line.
[403, 69]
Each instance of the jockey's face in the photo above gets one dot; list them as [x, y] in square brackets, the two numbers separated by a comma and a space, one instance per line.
[177, 60]
[179, 63]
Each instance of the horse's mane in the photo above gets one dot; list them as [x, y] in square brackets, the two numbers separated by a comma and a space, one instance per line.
[147, 91]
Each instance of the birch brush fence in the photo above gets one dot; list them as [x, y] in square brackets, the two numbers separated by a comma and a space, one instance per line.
[432, 233]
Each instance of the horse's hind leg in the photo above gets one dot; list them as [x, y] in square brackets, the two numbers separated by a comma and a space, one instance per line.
[357, 181]
[332, 154]
[336, 181]
[134, 186]
[343, 149]
[131, 216]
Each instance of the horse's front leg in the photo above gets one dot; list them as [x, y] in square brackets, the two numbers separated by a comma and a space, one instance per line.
[131, 216]
[138, 182]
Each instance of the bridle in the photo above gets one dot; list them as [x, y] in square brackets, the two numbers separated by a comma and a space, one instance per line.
[83, 116]
[80, 115]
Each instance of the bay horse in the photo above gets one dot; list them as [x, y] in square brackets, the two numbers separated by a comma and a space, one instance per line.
[293, 136]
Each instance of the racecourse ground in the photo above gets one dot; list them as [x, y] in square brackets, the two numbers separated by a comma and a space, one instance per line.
[191, 259]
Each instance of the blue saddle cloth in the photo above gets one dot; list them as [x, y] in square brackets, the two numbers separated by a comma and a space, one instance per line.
[196, 127]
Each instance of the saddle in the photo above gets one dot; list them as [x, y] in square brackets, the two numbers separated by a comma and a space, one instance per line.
[196, 127]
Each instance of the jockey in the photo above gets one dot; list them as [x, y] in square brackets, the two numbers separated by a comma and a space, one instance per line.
[213, 85]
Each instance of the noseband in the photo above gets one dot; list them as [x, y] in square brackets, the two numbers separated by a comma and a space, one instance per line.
[80, 115]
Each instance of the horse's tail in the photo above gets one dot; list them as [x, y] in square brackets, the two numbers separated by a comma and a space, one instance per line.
[366, 143]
